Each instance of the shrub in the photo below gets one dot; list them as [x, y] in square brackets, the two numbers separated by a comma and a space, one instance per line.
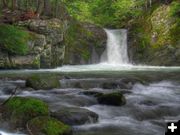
[175, 9]
[13, 39]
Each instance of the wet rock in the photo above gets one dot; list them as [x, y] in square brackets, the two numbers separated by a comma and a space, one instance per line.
[75, 116]
[8, 90]
[48, 126]
[123, 91]
[115, 99]
[43, 82]
[109, 85]
[114, 85]
[91, 93]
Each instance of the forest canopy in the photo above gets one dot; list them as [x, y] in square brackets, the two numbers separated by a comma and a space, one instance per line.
[101, 12]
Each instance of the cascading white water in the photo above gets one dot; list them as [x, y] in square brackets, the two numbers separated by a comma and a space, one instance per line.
[116, 47]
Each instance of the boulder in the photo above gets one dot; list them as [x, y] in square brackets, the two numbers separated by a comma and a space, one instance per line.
[75, 116]
[48, 126]
[44, 82]
[115, 99]
[18, 110]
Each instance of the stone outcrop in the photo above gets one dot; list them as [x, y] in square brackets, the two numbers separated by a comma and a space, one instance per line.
[46, 47]
[154, 38]
[85, 43]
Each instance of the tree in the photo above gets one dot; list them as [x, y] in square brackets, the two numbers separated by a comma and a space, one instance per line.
[4, 3]
[40, 6]
[14, 4]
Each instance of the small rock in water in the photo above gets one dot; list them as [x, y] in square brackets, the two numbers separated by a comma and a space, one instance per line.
[91, 93]
[115, 99]
[45, 82]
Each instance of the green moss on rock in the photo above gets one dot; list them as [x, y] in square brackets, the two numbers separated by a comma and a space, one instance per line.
[80, 40]
[115, 99]
[155, 37]
[19, 110]
[48, 126]
[13, 39]
[43, 82]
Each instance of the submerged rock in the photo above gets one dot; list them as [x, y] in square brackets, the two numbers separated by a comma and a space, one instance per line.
[48, 126]
[75, 116]
[43, 82]
[115, 99]
[18, 110]
[91, 93]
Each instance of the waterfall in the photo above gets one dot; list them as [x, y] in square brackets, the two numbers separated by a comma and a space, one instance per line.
[116, 48]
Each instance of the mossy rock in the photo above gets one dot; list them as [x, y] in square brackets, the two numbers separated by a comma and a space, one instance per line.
[19, 110]
[115, 99]
[43, 82]
[48, 126]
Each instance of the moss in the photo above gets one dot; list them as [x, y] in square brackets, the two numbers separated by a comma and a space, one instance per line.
[155, 36]
[48, 126]
[43, 82]
[78, 40]
[116, 99]
[36, 62]
[13, 39]
[20, 110]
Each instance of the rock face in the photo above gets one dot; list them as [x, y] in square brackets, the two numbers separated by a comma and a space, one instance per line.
[154, 38]
[75, 116]
[46, 47]
[85, 43]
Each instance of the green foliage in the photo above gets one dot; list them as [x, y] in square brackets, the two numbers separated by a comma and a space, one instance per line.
[175, 9]
[77, 39]
[13, 39]
[175, 27]
[108, 13]
[48, 126]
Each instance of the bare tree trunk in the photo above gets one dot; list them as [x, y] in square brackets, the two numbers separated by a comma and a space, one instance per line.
[4, 4]
[150, 3]
[47, 7]
[14, 4]
[40, 7]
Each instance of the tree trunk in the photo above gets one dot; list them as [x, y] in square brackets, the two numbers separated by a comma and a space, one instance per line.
[4, 4]
[14, 4]
[47, 7]
[40, 7]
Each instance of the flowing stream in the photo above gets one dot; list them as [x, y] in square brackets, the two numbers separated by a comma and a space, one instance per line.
[148, 105]
[147, 108]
